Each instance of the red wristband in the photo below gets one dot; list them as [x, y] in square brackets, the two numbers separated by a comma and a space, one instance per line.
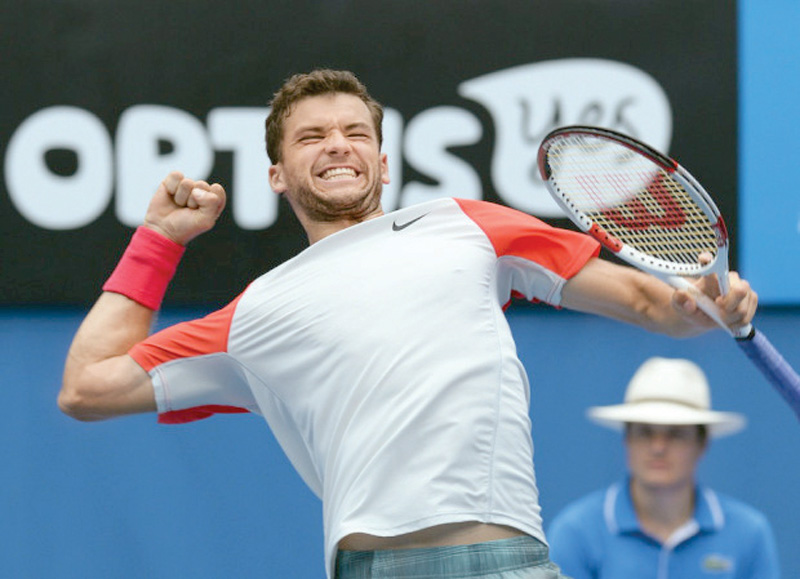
[146, 268]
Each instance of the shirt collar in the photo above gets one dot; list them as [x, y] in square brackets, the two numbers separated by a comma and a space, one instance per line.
[621, 518]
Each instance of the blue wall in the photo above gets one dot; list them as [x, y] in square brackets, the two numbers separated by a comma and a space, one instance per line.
[130, 498]
[769, 140]
[574, 456]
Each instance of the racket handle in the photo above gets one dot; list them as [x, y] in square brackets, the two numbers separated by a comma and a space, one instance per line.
[706, 304]
[777, 370]
[755, 345]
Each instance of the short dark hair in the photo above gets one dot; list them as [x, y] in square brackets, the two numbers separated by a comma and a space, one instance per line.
[702, 432]
[314, 83]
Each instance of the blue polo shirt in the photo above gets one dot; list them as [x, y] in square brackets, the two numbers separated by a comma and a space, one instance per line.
[599, 537]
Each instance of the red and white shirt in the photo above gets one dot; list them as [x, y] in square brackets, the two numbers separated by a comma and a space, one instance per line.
[382, 360]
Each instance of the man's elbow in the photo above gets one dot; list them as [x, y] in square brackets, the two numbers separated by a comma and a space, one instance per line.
[72, 403]
[79, 401]
[100, 391]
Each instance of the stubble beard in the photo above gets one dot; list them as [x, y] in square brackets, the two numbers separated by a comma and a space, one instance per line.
[355, 206]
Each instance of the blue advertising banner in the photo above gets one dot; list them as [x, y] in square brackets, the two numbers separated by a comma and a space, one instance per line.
[769, 140]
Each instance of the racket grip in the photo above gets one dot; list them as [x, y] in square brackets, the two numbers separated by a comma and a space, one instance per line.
[777, 370]
[706, 304]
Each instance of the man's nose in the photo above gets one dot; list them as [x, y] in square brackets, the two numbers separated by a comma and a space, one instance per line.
[337, 143]
[659, 441]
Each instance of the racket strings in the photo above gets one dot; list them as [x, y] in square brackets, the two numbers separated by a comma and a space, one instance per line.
[661, 221]
[631, 198]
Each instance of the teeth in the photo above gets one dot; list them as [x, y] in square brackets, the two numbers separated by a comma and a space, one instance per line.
[339, 173]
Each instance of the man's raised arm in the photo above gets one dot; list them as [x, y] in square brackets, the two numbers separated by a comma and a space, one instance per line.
[100, 379]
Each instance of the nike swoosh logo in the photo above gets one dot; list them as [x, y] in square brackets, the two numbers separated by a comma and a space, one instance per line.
[400, 227]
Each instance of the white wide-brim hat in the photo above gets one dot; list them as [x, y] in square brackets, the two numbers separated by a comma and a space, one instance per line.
[668, 391]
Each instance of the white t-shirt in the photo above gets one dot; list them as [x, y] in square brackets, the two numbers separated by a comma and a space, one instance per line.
[382, 360]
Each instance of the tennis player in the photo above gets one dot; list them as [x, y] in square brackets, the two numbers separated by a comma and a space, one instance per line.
[658, 522]
[379, 355]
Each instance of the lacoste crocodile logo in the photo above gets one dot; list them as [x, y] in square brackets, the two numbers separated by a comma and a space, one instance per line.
[399, 227]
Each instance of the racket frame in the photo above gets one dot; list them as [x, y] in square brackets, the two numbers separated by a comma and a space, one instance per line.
[674, 274]
[754, 344]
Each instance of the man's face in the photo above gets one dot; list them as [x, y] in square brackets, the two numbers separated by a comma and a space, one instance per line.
[663, 456]
[331, 166]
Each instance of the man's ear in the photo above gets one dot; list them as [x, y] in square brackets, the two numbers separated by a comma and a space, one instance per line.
[276, 180]
[385, 169]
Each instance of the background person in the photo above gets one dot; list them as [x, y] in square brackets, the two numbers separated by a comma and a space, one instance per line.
[659, 522]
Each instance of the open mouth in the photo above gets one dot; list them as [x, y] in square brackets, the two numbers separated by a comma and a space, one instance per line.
[339, 174]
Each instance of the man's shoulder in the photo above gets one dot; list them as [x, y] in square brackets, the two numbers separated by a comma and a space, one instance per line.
[737, 510]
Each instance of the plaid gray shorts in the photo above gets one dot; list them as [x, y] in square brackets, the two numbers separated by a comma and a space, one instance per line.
[516, 558]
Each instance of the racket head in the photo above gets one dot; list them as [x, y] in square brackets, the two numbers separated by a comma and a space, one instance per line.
[637, 202]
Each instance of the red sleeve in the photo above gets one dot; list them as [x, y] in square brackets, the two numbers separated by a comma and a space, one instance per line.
[515, 233]
[194, 338]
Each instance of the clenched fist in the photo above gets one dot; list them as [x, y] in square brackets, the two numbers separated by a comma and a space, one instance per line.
[182, 208]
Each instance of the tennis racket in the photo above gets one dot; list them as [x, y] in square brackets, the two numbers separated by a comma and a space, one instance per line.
[650, 212]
